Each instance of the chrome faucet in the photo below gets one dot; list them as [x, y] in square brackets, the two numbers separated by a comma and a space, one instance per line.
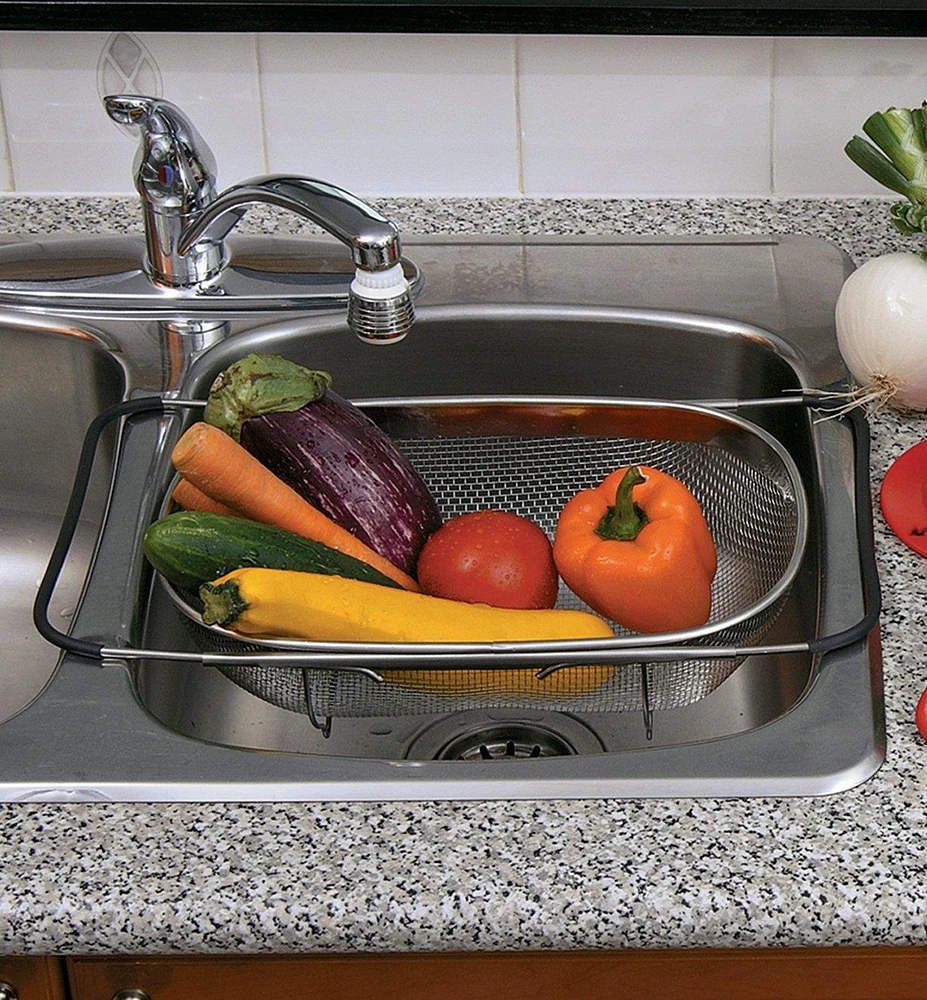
[175, 176]
[187, 221]
[161, 299]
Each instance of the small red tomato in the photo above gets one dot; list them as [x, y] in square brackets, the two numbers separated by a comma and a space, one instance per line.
[490, 557]
[920, 715]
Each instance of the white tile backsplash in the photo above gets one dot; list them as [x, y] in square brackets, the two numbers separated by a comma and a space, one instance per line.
[60, 138]
[433, 115]
[644, 115]
[396, 115]
[823, 93]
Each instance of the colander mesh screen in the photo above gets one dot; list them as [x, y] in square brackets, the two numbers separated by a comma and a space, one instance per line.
[749, 500]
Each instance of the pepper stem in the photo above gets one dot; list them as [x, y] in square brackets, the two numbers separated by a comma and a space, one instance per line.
[623, 521]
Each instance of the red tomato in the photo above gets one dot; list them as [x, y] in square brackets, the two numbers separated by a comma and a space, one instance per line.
[490, 557]
[920, 715]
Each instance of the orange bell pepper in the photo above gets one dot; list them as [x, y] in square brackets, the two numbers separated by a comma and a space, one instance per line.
[637, 549]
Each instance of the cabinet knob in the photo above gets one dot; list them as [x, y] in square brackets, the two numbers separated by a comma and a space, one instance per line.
[8, 992]
[124, 995]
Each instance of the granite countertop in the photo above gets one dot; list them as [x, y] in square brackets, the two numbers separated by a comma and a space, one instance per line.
[383, 876]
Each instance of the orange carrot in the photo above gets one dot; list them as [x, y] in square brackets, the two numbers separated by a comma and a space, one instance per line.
[221, 468]
[186, 495]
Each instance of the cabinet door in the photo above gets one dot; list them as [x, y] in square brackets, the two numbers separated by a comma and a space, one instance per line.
[32, 978]
[722, 974]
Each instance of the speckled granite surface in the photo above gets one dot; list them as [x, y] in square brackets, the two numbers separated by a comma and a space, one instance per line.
[846, 869]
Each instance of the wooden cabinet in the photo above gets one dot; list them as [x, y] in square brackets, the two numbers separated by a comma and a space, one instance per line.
[32, 979]
[723, 974]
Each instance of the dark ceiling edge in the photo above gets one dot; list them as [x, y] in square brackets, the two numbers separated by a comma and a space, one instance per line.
[488, 18]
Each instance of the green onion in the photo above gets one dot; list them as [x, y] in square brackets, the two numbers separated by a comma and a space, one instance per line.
[897, 158]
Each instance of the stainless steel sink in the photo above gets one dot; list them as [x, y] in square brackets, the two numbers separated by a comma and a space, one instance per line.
[716, 320]
[53, 381]
[535, 352]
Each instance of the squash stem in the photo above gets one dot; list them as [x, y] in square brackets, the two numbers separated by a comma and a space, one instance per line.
[222, 602]
[624, 520]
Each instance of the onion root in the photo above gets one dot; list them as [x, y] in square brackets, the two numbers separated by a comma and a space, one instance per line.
[879, 392]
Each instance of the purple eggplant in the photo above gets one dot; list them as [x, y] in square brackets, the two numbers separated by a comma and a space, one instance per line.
[327, 450]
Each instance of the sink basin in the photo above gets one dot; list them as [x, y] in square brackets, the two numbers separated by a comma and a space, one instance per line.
[730, 323]
[53, 381]
[536, 351]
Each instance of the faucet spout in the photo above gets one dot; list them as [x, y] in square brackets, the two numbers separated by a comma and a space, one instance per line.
[372, 239]
[380, 307]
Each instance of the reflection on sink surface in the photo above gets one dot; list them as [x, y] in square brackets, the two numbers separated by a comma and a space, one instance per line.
[52, 383]
[717, 319]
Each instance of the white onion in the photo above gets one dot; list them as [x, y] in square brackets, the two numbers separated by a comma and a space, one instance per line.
[881, 318]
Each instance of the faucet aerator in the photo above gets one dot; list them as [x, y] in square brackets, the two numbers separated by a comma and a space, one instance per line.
[380, 307]
[380, 321]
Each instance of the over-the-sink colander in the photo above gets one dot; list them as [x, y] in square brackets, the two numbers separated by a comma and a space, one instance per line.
[529, 455]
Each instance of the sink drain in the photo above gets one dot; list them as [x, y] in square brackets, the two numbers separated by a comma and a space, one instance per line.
[481, 736]
[506, 742]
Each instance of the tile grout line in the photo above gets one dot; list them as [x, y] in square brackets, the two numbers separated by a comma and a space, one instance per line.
[519, 145]
[7, 146]
[773, 73]
[260, 90]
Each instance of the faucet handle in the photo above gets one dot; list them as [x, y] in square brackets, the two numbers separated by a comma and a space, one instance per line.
[174, 166]
[128, 109]
[175, 174]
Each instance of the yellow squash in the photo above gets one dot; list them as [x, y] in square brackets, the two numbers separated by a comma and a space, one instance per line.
[289, 604]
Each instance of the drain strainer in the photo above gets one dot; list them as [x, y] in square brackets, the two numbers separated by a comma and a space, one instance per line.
[480, 736]
[506, 741]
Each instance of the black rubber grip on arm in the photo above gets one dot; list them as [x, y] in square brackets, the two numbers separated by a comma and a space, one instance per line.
[40, 617]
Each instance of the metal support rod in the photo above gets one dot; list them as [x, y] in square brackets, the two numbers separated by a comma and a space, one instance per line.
[645, 695]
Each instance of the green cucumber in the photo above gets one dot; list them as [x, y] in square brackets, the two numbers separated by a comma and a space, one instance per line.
[190, 548]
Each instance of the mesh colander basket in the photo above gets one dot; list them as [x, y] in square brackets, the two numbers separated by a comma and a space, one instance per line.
[530, 456]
